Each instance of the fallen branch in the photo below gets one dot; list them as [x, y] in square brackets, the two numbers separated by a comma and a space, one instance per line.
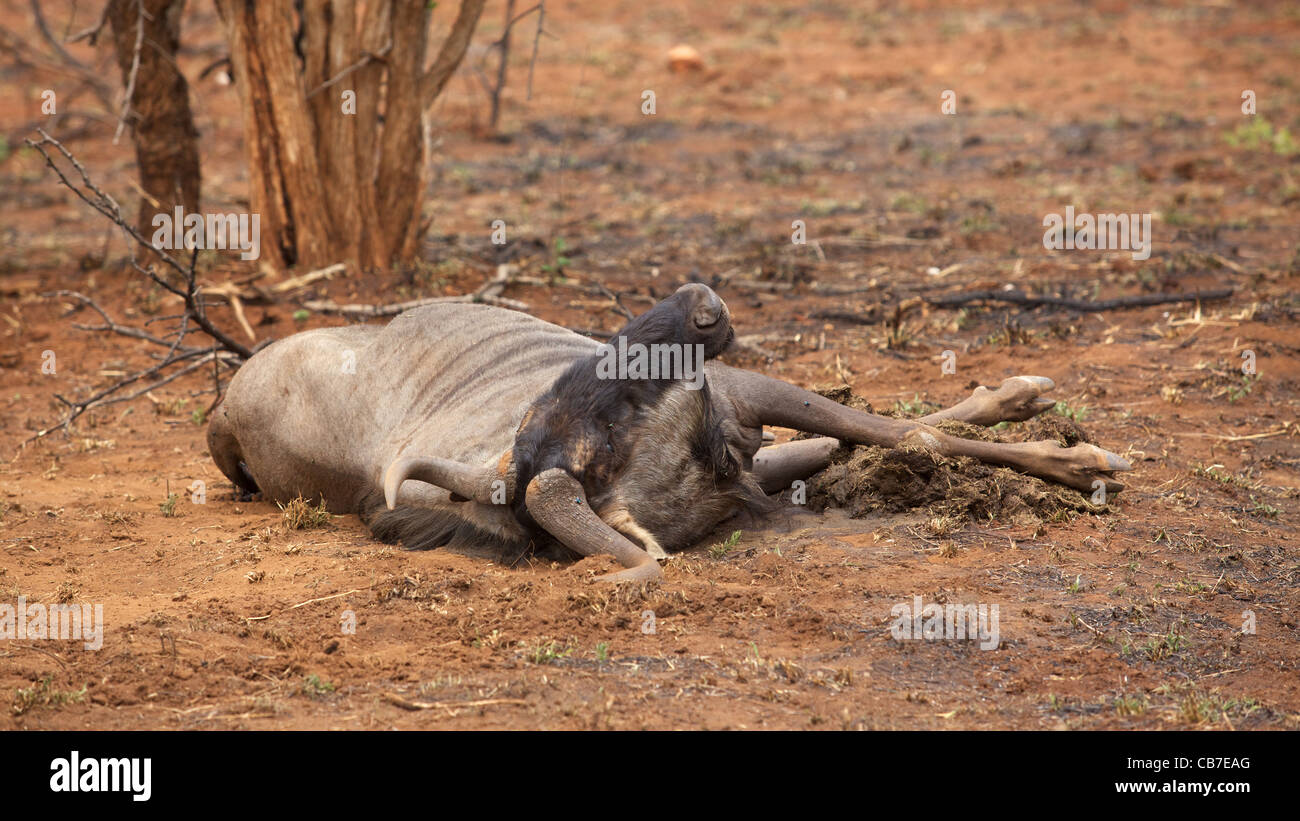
[1083, 305]
[489, 293]
[398, 701]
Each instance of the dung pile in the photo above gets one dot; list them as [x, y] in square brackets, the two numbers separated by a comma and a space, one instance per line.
[867, 479]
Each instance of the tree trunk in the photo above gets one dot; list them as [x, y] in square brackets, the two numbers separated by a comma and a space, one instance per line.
[166, 141]
[335, 133]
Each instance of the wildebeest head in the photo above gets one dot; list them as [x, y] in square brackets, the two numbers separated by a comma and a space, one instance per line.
[635, 429]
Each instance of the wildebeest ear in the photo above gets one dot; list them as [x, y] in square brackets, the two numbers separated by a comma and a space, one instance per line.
[465, 482]
[693, 315]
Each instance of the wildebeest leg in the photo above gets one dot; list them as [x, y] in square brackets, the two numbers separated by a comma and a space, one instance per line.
[762, 400]
[778, 466]
[557, 502]
[1015, 400]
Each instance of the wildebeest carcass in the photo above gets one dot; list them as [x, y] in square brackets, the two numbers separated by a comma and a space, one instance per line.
[495, 433]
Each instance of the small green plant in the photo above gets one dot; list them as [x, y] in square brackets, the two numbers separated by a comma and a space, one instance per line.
[313, 686]
[1162, 647]
[1063, 408]
[43, 694]
[548, 652]
[1263, 509]
[560, 261]
[300, 515]
[978, 223]
[199, 416]
[1258, 133]
[1212, 472]
[301, 315]
[914, 407]
[1238, 392]
[723, 548]
[602, 652]
[1134, 705]
[910, 203]
[168, 507]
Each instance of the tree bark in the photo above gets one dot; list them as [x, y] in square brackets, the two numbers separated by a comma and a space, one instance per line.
[335, 184]
[162, 126]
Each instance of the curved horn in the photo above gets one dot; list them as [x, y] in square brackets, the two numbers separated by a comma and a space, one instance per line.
[464, 481]
[557, 502]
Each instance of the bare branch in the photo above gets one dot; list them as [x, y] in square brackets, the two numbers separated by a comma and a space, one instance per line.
[537, 38]
[452, 52]
[1082, 305]
[489, 293]
[366, 59]
[106, 205]
[91, 35]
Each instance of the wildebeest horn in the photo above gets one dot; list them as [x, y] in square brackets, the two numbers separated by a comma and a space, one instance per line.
[464, 481]
[557, 502]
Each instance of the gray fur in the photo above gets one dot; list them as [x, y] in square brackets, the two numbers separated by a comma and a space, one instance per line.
[452, 381]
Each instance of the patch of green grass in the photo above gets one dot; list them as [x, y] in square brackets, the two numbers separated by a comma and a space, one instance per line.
[978, 223]
[43, 694]
[1211, 708]
[1263, 509]
[1162, 647]
[300, 515]
[909, 203]
[560, 260]
[313, 686]
[548, 652]
[1062, 408]
[602, 652]
[1134, 705]
[1238, 392]
[1190, 586]
[1211, 472]
[1257, 133]
[916, 406]
[168, 507]
[721, 549]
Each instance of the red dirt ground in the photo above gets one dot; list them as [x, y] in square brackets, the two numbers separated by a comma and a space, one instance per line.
[222, 617]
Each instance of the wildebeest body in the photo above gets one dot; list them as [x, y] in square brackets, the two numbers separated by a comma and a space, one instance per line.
[454, 381]
[491, 431]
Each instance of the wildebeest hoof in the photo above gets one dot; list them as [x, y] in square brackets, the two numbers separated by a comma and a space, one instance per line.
[1081, 466]
[1015, 400]
[642, 573]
